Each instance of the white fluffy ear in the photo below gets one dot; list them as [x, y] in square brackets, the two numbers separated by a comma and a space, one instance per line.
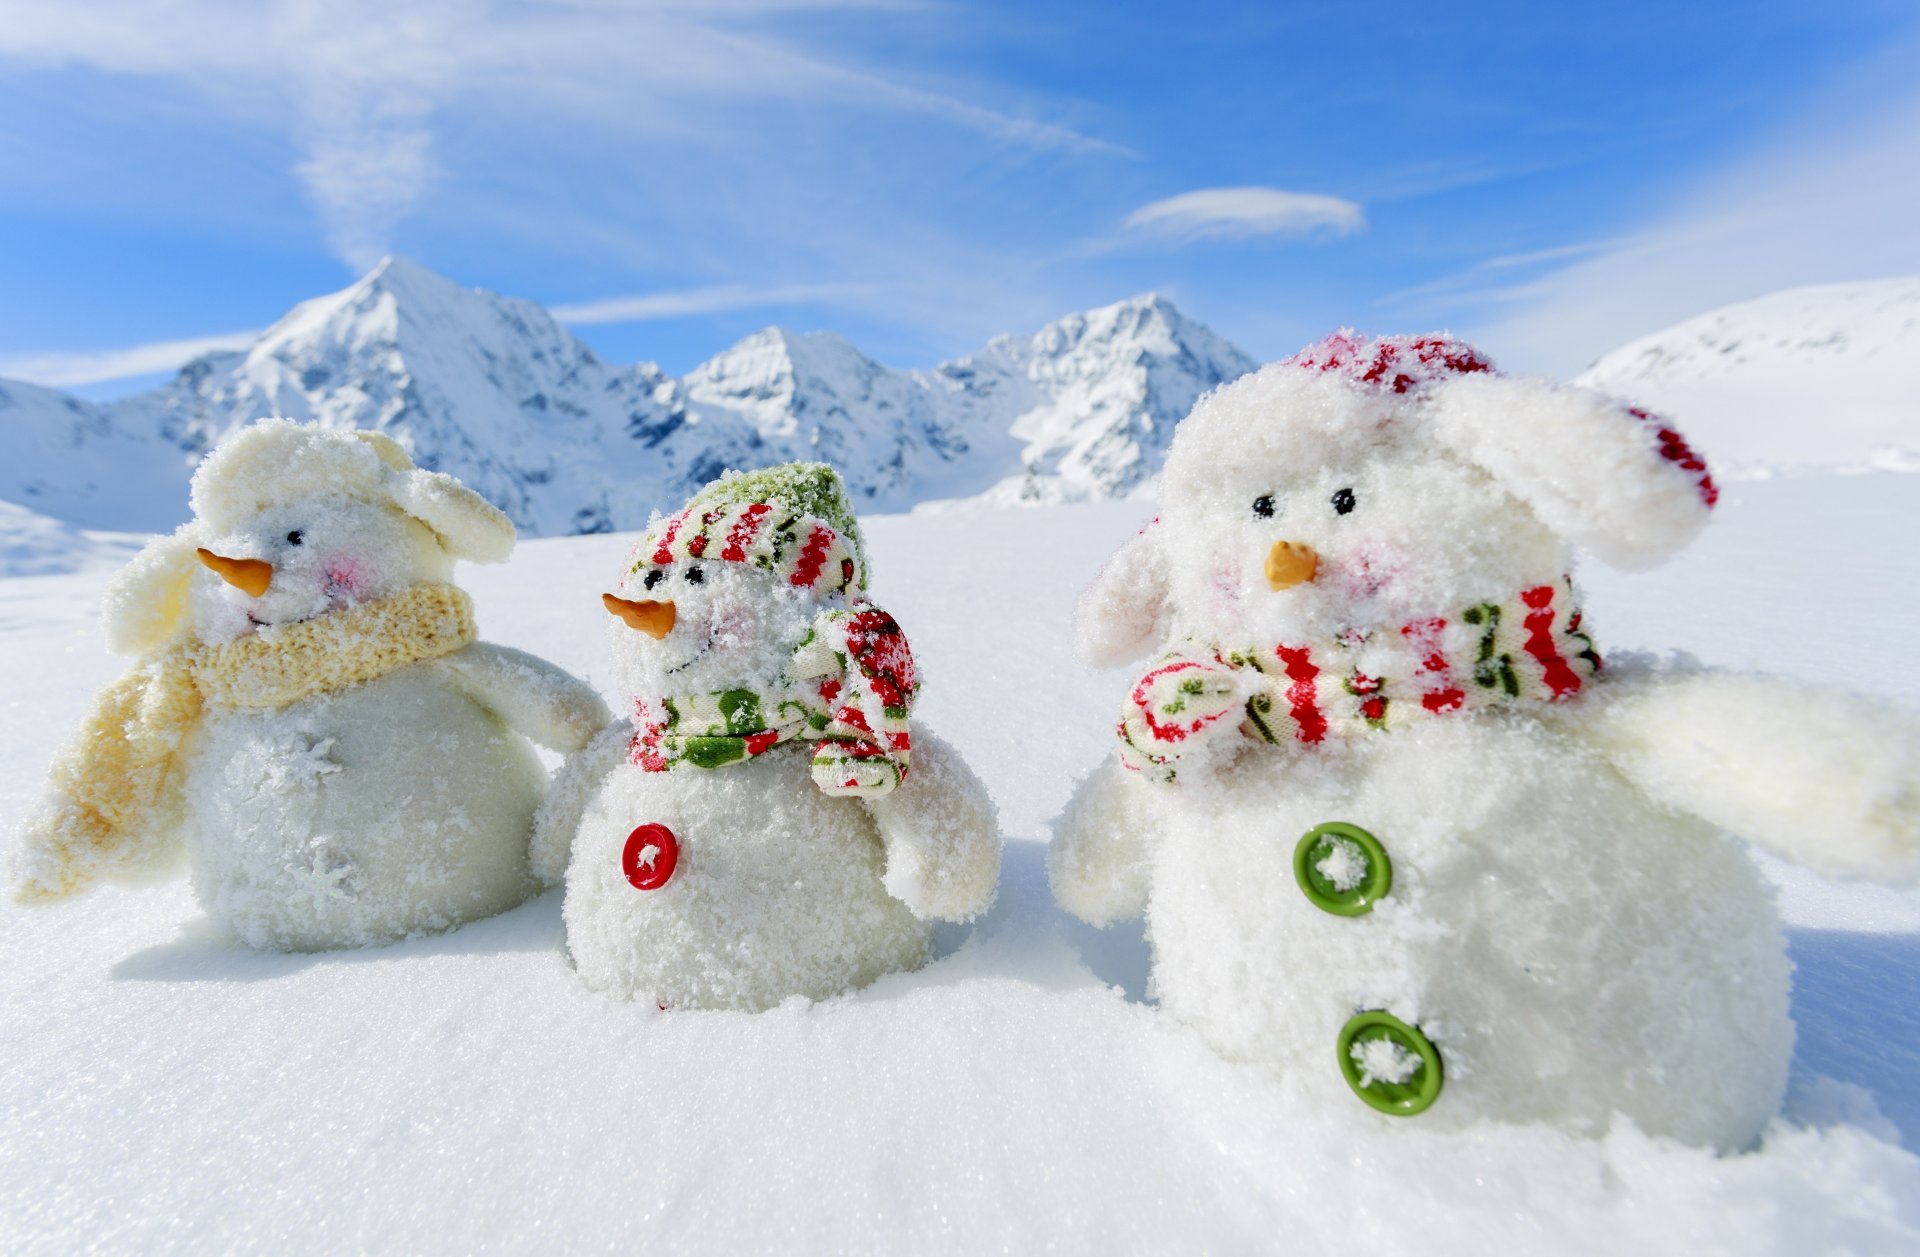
[468, 525]
[1122, 615]
[1608, 477]
[146, 604]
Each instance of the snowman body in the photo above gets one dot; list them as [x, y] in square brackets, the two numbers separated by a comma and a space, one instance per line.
[768, 824]
[1396, 832]
[771, 889]
[1569, 947]
[398, 806]
[312, 718]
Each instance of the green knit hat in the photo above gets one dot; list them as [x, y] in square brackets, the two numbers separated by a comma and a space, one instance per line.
[793, 520]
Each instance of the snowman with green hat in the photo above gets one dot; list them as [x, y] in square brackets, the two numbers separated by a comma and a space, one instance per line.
[768, 821]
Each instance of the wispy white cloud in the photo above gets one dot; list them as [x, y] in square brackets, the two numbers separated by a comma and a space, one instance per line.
[714, 299]
[92, 366]
[1488, 280]
[363, 86]
[1238, 213]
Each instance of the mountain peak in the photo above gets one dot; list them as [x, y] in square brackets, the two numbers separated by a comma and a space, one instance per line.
[494, 390]
[395, 273]
[1141, 307]
[1155, 301]
[775, 362]
[370, 305]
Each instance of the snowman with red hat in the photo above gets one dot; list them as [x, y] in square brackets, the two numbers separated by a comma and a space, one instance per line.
[1395, 831]
[768, 822]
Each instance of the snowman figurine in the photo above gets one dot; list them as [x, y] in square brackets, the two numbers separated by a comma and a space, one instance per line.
[1396, 833]
[311, 719]
[767, 824]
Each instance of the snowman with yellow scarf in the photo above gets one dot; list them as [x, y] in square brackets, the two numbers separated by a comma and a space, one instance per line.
[767, 822]
[310, 720]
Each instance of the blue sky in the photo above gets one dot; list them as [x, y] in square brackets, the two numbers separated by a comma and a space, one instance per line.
[1551, 179]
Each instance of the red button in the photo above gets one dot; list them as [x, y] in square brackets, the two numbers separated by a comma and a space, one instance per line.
[650, 855]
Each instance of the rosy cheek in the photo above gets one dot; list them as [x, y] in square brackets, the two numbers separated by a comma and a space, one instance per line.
[1224, 595]
[732, 624]
[347, 576]
[1364, 572]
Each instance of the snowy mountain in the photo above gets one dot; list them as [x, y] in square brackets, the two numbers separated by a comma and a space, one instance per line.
[817, 396]
[1824, 376]
[1094, 397]
[72, 460]
[489, 388]
[497, 392]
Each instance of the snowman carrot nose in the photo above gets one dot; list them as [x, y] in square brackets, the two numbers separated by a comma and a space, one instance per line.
[250, 576]
[655, 619]
[1290, 564]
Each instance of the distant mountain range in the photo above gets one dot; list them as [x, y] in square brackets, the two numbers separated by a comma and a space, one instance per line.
[497, 392]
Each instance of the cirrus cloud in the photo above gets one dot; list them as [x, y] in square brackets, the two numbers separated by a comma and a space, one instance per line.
[713, 299]
[1240, 213]
[364, 89]
[94, 366]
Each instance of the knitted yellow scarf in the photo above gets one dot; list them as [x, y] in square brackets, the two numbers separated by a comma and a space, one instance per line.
[113, 793]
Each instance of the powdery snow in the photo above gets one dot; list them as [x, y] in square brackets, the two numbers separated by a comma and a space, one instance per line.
[464, 1091]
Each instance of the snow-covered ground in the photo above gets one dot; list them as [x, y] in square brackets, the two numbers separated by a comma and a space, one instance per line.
[161, 1091]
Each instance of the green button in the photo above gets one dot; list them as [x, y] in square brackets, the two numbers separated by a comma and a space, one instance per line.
[1389, 1064]
[1342, 868]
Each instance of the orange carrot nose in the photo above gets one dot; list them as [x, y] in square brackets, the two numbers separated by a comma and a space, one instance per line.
[1290, 564]
[250, 576]
[655, 619]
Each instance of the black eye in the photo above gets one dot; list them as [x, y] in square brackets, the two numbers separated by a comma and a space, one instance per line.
[1263, 506]
[1343, 501]
[653, 578]
[295, 537]
[695, 576]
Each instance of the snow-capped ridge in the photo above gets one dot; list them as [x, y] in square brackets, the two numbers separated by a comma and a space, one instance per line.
[1102, 391]
[84, 463]
[496, 391]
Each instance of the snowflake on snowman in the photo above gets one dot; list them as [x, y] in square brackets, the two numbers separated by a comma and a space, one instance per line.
[1396, 831]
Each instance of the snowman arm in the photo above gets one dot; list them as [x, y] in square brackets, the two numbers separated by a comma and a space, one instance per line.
[1097, 861]
[571, 790]
[534, 697]
[941, 834]
[1824, 778]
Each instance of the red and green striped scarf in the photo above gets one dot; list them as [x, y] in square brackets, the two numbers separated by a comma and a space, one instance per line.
[849, 688]
[1528, 649]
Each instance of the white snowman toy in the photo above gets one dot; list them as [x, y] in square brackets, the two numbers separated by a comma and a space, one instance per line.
[311, 718]
[767, 824]
[1396, 833]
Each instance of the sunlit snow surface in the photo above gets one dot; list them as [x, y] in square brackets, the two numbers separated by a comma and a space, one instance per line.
[158, 1089]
